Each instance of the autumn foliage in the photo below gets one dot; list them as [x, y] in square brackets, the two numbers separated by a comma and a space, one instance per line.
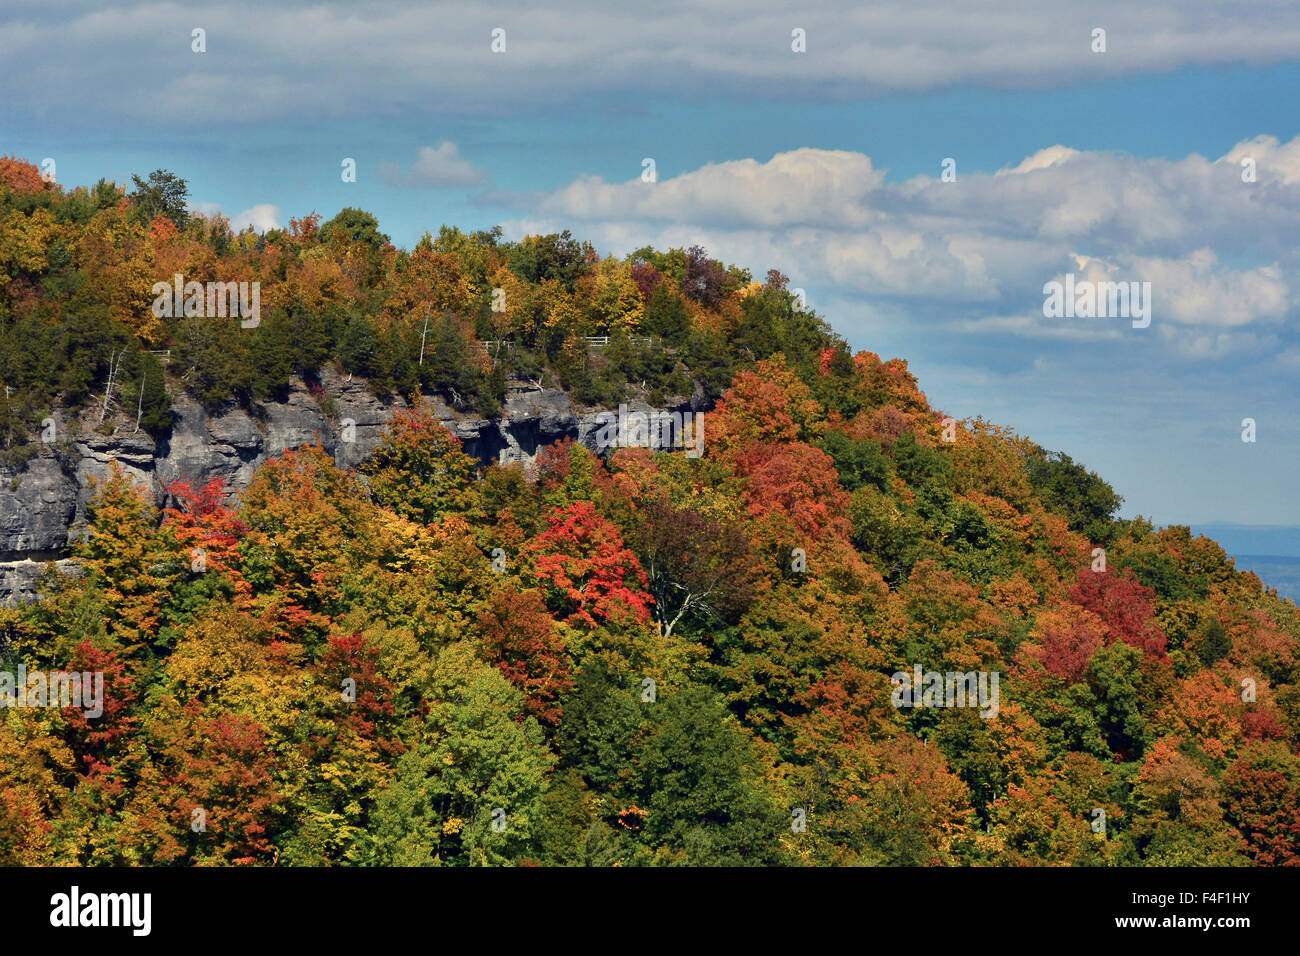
[642, 657]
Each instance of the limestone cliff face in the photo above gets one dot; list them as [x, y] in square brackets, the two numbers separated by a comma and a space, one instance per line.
[43, 503]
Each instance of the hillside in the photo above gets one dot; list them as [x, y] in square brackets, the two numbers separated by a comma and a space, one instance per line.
[333, 628]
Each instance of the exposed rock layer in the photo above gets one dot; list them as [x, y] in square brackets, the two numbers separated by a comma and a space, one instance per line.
[43, 503]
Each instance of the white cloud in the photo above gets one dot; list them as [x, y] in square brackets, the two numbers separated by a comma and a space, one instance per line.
[1280, 160]
[1192, 291]
[286, 60]
[974, 254]
[802, 186]
[1043, 159]
[438, 167]
[261, 217]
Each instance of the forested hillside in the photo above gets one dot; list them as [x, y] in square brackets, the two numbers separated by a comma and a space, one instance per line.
[642, 658]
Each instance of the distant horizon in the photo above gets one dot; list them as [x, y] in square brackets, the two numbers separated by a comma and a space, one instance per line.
[1252, 541]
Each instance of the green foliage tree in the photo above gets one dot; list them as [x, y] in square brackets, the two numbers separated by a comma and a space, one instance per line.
[162, 194]
[470, 792]
[1070, 489]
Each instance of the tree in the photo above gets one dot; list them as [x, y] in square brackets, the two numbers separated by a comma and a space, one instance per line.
[859, 461]
[144, 395]
[217, 766]
[797, 483]
[1120, 687]
[705, 800]
[305, 519]
[162, 194]
[359, 347]
[677, 778]
[616, 302]
[600, 735]
[1262, 799]
[1070, 489]
[1068, 637]
[696, 566]
[557, 257]
[469, 793]
[353, 225]
[521, 638]
[666, 314]
[21, 176]
[1124, 606]
[420, 471]
[128, 560]
[590, 575]
[1179, 815]
[706, 279]
[893, 803]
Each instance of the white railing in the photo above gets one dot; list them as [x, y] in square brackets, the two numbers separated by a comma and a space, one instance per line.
[591, 341]
[599, 341]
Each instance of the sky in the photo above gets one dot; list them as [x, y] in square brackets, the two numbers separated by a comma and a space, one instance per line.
[1170, 157]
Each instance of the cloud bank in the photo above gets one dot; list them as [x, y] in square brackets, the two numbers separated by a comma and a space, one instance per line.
[1220, 248]
[292, 59]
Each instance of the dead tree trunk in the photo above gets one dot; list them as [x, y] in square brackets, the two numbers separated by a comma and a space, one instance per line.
[114, 364]
[139, 405]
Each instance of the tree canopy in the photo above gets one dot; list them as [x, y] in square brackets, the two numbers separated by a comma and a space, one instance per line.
[634, 658]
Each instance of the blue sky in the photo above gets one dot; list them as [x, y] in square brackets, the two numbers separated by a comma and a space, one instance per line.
[1122, 165]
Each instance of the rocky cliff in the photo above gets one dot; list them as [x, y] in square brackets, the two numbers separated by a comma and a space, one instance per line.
[43, 503]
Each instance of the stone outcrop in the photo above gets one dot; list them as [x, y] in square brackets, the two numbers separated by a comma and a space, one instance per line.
[43, 503]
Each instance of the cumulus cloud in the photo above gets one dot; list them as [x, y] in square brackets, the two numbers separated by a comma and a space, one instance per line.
[1194, 291]
[1220, 252]
[1043, 159]
[435, 166]
[805, 186]
[1280, 159]
[261, 217]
